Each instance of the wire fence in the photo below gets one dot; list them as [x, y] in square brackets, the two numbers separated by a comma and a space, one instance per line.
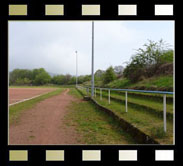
[164, 93]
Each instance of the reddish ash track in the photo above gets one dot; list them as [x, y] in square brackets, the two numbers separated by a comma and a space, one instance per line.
[44, 123]
[19, 94]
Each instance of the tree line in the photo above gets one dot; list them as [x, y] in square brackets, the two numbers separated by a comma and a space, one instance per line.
[42, 77]
[146, 62]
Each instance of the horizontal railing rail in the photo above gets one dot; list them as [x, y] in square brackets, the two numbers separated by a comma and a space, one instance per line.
[126, 97]
[132, 90]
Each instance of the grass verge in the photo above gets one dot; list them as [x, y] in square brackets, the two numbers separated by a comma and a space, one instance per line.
[94, 126]
[16, 110]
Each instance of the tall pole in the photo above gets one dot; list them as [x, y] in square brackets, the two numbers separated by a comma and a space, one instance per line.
[76, 69]
[92, 80]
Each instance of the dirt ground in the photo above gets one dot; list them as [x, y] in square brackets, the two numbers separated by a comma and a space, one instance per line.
[44, 124]
[18, 94]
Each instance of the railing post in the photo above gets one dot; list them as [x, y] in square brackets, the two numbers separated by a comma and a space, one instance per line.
[126, 101]
[100, 94]
[109, 96]
[164, 111]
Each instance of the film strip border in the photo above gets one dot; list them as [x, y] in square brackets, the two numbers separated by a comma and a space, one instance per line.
[90, 10]
[85, 9]
[18, 156]
[26, 9]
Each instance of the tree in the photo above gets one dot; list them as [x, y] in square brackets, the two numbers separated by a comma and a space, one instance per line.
[23, 76]
[99, 73]
[58, 79]
[72, 81]
[42, 78]
[146, 61]
[109, 75]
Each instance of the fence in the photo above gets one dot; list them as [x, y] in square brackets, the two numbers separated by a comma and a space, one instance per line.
[126, 97]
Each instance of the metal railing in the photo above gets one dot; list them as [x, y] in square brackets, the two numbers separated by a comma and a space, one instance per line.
[126, 97]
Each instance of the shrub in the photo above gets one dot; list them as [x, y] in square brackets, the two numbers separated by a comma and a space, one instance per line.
[146, 61]
[109, 75]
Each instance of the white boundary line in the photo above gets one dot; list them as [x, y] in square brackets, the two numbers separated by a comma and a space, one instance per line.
[27, 99]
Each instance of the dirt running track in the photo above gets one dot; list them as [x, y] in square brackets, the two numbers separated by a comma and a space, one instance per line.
[44, 124]
[18, 94]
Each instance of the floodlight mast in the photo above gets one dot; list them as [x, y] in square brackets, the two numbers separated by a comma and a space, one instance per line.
[76, 68]
[92, 80]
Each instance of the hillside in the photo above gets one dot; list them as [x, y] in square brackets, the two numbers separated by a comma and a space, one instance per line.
[161, 83]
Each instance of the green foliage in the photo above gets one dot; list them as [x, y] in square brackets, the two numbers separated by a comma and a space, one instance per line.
[58, 79]
[29, 77]
[146, 61]
[68, 79]
[42, 78]
[23, 81]
[109, 75]
[162, 83]
[19, 75]
[167, 57]
[119, 83]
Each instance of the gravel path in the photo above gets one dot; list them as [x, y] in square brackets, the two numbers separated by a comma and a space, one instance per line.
[44, 124]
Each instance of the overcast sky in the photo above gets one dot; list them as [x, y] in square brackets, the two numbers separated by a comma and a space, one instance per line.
[52, 44]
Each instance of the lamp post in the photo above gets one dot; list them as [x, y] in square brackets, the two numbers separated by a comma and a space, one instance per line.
[76, 68]
[92, 79]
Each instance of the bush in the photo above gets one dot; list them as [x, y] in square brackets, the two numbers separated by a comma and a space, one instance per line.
[147, 61]
[109, 75]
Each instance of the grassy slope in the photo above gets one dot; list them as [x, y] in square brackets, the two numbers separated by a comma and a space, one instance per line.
[93, 125]
[144, 121]
[158, 105]
[16, 110]
[164, 83]
[154, 83]
[148, 123]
